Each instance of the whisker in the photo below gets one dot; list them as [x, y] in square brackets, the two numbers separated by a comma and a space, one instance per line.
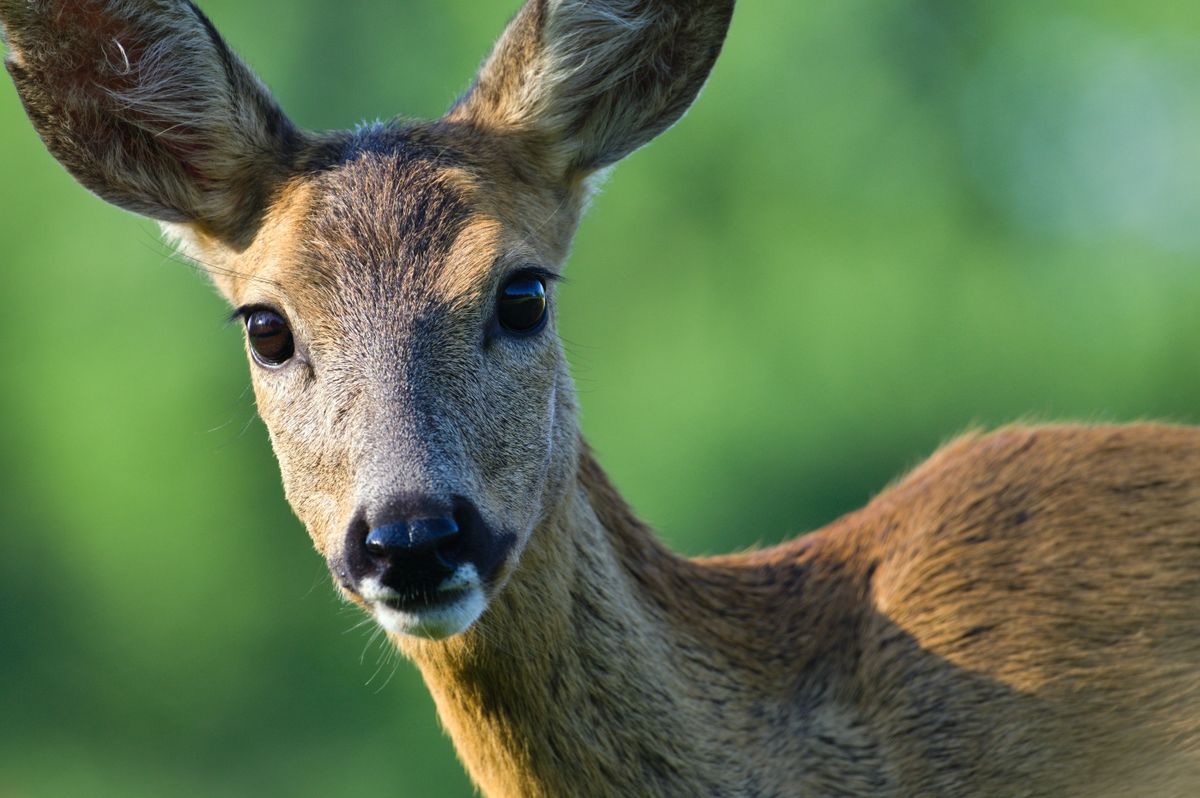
[396, 662]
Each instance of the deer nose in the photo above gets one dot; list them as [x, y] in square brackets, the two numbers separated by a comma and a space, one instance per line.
[418, 538]
[409, 545]
[411, 553]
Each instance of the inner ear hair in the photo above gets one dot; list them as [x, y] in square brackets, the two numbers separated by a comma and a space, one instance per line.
[592, 80]
[147, 106]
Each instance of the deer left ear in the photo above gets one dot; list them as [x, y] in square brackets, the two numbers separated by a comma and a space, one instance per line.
[590, 81]
[145, 104]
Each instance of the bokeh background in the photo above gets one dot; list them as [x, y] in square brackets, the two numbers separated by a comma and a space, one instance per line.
[885, 221]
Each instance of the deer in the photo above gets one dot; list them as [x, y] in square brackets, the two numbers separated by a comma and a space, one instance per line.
[1018, 615]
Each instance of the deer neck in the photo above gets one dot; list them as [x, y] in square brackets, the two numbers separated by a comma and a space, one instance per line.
[571, 682]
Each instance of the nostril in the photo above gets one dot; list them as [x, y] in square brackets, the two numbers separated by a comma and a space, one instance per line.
[421, 536]
[449, 551]
[431, 532]
[383, 541]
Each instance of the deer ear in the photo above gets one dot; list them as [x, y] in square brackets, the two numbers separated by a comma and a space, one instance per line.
[145, 104]
[593, 80]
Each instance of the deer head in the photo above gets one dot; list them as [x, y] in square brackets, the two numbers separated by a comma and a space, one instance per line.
[397, 282]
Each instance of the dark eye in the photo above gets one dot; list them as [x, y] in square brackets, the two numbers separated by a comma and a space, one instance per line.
[270, 337]
[521, 307]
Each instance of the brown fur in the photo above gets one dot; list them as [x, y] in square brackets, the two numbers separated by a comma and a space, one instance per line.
[1018, 616]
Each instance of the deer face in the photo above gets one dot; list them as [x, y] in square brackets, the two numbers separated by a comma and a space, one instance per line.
[400, 324]
[397, 282]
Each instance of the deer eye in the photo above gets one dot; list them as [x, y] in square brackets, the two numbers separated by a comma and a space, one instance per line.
[270, 337]
[521, 306]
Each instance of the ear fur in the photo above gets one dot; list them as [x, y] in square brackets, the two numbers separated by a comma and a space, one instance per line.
[145, 104]
[593, 80]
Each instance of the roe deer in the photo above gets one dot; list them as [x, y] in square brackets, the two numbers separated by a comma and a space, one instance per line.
[1018, 616]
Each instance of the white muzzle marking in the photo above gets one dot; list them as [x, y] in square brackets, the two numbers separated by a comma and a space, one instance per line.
[434, 623]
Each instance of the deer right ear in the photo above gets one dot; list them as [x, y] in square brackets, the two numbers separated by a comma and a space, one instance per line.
[145, 104]
[590, 81]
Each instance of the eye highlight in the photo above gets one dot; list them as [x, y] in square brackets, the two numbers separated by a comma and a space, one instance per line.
[521, 304]
[270, 337]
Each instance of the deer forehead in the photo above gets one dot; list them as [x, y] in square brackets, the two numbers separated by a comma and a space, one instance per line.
[385, 228]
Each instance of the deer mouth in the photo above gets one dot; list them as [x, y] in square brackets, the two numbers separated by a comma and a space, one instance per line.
[449, 609]
[420, 602]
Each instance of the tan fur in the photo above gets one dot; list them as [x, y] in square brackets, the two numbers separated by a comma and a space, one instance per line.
[1018, 616]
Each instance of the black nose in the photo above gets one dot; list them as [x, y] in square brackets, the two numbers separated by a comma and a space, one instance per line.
[410, 546]
[419, 538]
[412, 543]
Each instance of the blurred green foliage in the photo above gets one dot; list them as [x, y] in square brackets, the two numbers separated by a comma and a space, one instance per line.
[885, 221]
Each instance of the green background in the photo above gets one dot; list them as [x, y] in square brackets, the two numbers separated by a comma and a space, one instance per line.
[885, 221]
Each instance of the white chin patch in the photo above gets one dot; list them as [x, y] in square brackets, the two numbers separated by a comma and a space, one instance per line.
[465, 603]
